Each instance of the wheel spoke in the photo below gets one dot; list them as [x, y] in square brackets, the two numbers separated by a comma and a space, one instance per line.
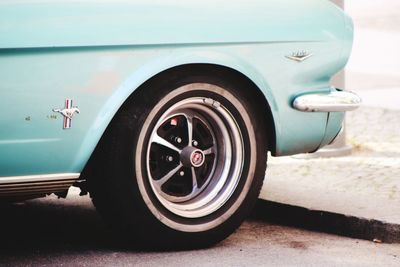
[194, 180]
[189, 120]
[211, 150]
[161, 141]
[168, 176]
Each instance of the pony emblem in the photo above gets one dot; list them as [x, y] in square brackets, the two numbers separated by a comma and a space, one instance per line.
[68, 112]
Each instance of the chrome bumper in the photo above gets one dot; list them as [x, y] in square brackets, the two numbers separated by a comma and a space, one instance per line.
[336, 101]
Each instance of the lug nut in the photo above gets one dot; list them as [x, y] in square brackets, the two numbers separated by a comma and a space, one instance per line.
[195, 143]
[170, 158]
[178, 140]
[182, 173]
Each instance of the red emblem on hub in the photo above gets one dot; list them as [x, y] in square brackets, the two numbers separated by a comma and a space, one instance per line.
[197, 158]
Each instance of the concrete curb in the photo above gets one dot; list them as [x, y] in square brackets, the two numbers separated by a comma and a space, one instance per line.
[327, 222]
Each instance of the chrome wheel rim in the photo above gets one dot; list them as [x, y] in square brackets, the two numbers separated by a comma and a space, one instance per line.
[194, 157]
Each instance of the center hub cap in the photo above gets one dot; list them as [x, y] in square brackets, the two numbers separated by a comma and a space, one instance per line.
[197, 158]
[192, 157]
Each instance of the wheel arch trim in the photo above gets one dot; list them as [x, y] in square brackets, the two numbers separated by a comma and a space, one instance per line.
[158, 66]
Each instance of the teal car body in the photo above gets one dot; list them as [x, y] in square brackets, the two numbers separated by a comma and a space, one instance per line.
[97, 53]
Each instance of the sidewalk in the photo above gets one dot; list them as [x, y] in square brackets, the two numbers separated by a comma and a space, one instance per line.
[365, 184]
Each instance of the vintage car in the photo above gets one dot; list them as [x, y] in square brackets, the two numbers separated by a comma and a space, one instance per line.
[165, 110]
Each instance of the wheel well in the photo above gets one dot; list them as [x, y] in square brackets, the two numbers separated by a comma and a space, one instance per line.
[253, 96]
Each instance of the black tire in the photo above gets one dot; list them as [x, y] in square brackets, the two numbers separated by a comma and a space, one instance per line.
[131, 164]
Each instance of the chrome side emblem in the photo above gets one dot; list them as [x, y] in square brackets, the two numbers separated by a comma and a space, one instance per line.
[68, 112]
[299, 56]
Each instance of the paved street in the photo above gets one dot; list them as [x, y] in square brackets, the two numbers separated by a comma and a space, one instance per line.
[68, 232]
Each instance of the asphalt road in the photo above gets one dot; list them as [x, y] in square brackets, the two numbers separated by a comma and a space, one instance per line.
[68, 232]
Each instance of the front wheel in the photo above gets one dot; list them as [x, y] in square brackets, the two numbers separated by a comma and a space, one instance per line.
[183, 163]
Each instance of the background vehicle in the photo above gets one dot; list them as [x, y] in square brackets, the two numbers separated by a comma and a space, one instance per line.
[166, 110]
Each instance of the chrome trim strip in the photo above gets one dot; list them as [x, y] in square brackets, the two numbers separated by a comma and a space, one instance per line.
[335, 101]
[38, 178]
[30, 189]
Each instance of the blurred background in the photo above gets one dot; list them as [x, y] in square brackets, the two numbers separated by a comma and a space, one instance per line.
[374, 67]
